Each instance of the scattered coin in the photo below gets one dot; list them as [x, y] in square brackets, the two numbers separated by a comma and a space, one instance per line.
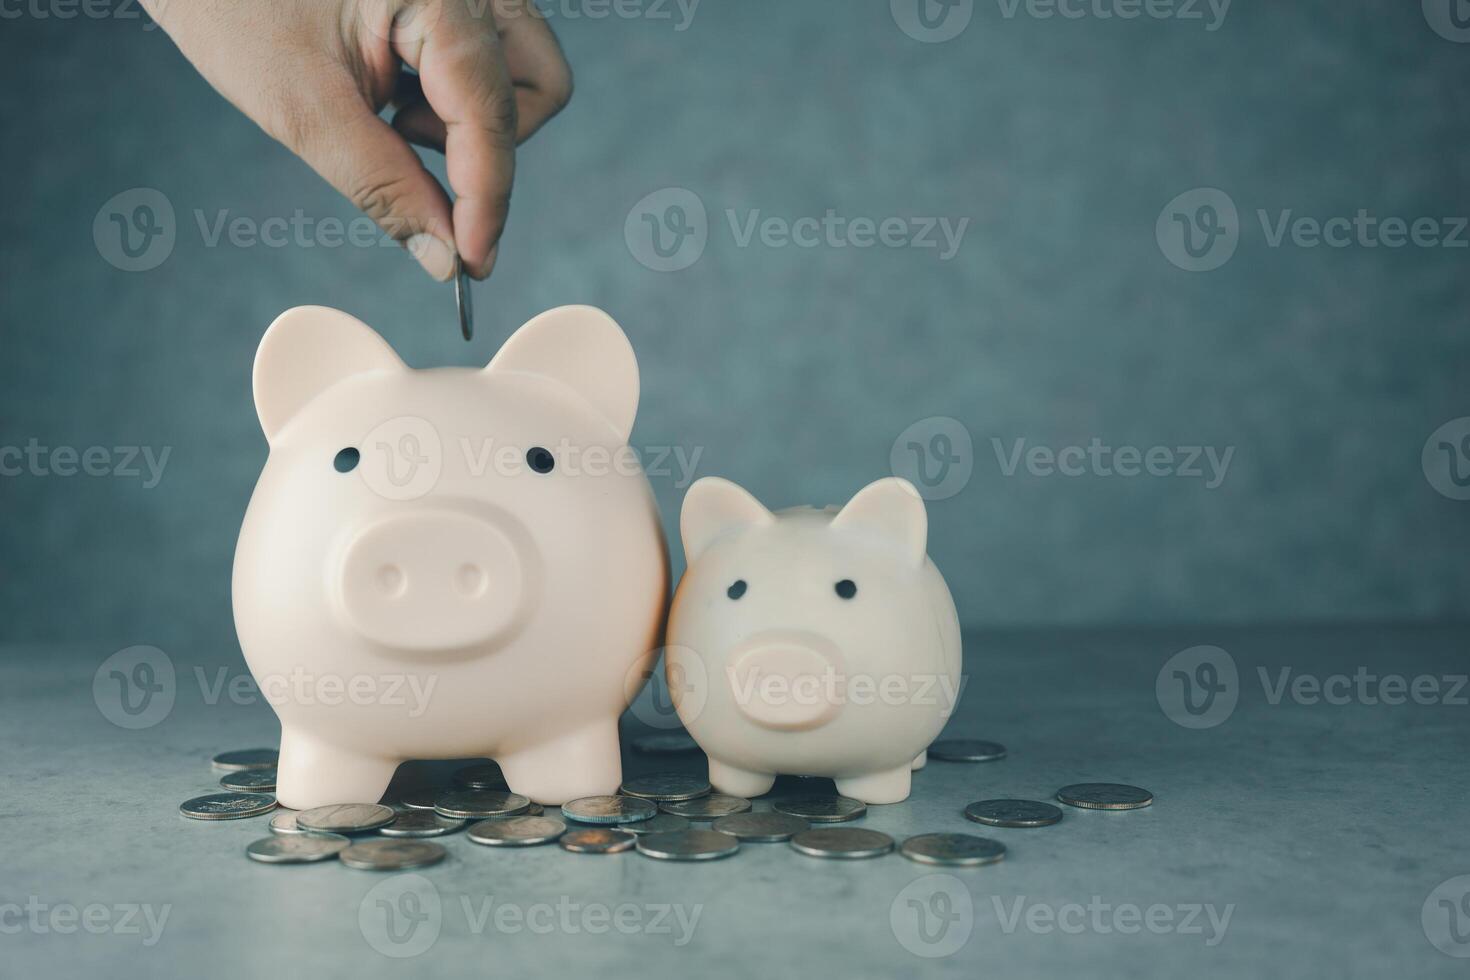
[535, 810]
[284, 822]
[517, 831]
[842, 842]
[666, 786]
[421, 799]
[420, 823]
[299, 849]
[960, 850]
[245, 759]
[346, 818]
[596, 840]
[668, 743]
[1105, 796]
[711, 807]
[966, 750]
[386, 854]
[1013, 813]
[688, 845]
[476, 804]
[250, 781]
[662, 823]
[480, 777]
[822, 809]
[227, 806]
[765, 826]
[608, 809]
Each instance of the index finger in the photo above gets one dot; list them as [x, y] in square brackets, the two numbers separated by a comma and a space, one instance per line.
[462, 69]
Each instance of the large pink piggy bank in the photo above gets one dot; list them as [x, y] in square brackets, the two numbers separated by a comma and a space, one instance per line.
[451, 562]
[812, 642]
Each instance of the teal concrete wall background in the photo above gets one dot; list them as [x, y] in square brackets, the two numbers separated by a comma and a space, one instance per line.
[1059, 166]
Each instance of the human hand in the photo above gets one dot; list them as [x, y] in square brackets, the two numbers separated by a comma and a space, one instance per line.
[314, 74]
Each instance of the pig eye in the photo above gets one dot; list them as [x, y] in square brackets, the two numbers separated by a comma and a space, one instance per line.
[847, 588]
[346, 460]
[737, 590]
[540, 459]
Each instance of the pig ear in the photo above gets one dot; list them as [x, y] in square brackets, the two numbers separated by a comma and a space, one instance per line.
[890, 510]
[713, 507]
[306, 351]
[584, 349]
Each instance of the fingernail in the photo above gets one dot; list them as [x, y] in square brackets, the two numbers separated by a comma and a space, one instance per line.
[434, 255]
[489, 263]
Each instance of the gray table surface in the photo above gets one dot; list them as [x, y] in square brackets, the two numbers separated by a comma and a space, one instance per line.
[1324, 831]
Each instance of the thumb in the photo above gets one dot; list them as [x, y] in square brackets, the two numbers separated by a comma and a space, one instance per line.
[369, 162]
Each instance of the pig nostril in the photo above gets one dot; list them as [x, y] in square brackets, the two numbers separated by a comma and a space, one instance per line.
[471, 580]
[391, 581]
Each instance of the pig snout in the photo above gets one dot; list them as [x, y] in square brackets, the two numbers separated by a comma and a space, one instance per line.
[787, 680]
[431, 580]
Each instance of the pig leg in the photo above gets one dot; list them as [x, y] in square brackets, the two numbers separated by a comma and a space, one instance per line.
[920, 759]
[583, 763]
[313, 773]
[891, 786]
[739, 782]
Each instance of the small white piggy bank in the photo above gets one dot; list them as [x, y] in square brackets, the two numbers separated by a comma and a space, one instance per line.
[448, 563]
[812, 642]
